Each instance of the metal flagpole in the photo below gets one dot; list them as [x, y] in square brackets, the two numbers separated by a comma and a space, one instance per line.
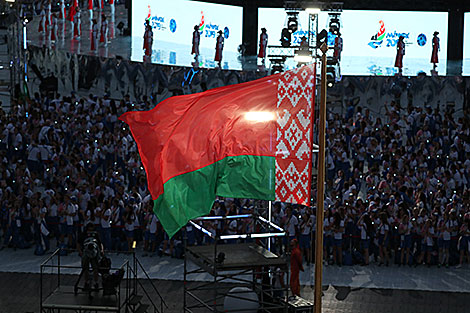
[320, 185]
[270, 205]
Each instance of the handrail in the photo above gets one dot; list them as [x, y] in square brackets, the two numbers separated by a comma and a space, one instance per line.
[145, 291]
[151, 282]
[50, 257]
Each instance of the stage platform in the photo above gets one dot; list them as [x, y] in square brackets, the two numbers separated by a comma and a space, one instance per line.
[237, 257]
[64, 298]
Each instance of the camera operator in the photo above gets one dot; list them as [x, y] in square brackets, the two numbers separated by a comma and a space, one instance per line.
[90, 249]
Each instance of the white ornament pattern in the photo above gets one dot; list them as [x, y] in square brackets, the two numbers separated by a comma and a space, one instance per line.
[294, 126]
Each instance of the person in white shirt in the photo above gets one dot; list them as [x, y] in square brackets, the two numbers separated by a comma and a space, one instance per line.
[70, 213]
[444, 228]
[365, 224]
[338, 230]
[405, 239]
[129, 226]
[44, 230]
[328, 240]
[34, 155]
[384, 237]
[105, 222]
[291, 224]
[305, 233]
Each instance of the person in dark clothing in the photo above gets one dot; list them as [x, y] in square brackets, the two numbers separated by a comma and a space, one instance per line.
[90, 249]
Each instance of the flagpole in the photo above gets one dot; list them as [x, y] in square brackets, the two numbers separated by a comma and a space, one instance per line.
[320, 185]
[270, 205]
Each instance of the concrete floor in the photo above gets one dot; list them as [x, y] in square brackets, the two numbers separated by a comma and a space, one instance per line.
[19, 292]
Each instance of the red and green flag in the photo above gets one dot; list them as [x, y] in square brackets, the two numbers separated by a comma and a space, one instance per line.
[250, 140]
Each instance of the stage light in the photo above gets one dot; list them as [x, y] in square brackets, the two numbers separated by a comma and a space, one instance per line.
[331, 72]
[286, 37]
[334, 23]
[322, 37]
[313, 10]
[292, 23]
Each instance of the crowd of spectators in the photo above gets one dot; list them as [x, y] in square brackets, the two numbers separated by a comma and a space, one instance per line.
[67, 161]
[397, 188]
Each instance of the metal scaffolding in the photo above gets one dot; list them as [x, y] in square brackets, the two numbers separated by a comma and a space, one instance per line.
[246, 264]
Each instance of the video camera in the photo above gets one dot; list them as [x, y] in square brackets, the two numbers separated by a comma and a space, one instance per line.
[91, 248]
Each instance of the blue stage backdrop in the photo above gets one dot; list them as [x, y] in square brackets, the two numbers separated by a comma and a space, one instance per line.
[370, 38]
[173, 24]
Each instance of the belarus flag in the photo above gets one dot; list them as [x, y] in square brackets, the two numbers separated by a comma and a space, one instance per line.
[251, 140]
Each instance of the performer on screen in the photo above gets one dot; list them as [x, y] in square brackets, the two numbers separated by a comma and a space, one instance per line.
[111, 6]
[219, 48]
[112, 27]
[48, 14]
[77, 32]
[100, 5]
[42, 20]
[104, 30]
[338, 47]
[54, 28]
[72, 12]
[263, 44]
[196, 40]
[435, 50]
[62, 9]
[94, 35]
[148, 38]
[400, 54]
[90, 9]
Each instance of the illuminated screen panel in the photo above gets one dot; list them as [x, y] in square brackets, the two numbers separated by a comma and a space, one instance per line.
[466, 45]
[368, 48]
[173, 24]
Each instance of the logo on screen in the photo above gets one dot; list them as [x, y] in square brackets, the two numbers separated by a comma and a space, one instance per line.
[422, 40]
[226, 32]
[377, 39]
[158, 23]
[172, 25]
[202, 23]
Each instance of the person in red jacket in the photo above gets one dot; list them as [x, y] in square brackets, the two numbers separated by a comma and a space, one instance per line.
[196, 40]
[400, 53]
[338, 47]
[263, 44]
[435, 49]
[148, 38]
[295, 267]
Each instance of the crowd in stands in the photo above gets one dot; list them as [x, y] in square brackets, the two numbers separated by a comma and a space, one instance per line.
[397, 188]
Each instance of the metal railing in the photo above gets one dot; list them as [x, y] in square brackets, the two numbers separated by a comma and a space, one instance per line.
[129, 284]
[162, 302]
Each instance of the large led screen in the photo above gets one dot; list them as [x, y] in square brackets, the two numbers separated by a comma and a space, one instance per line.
[466, 45]
[370, 38]
[173, 24]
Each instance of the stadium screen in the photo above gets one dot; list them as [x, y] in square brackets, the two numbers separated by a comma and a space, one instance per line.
[173, 24]
[368, 47]
[466, 45]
